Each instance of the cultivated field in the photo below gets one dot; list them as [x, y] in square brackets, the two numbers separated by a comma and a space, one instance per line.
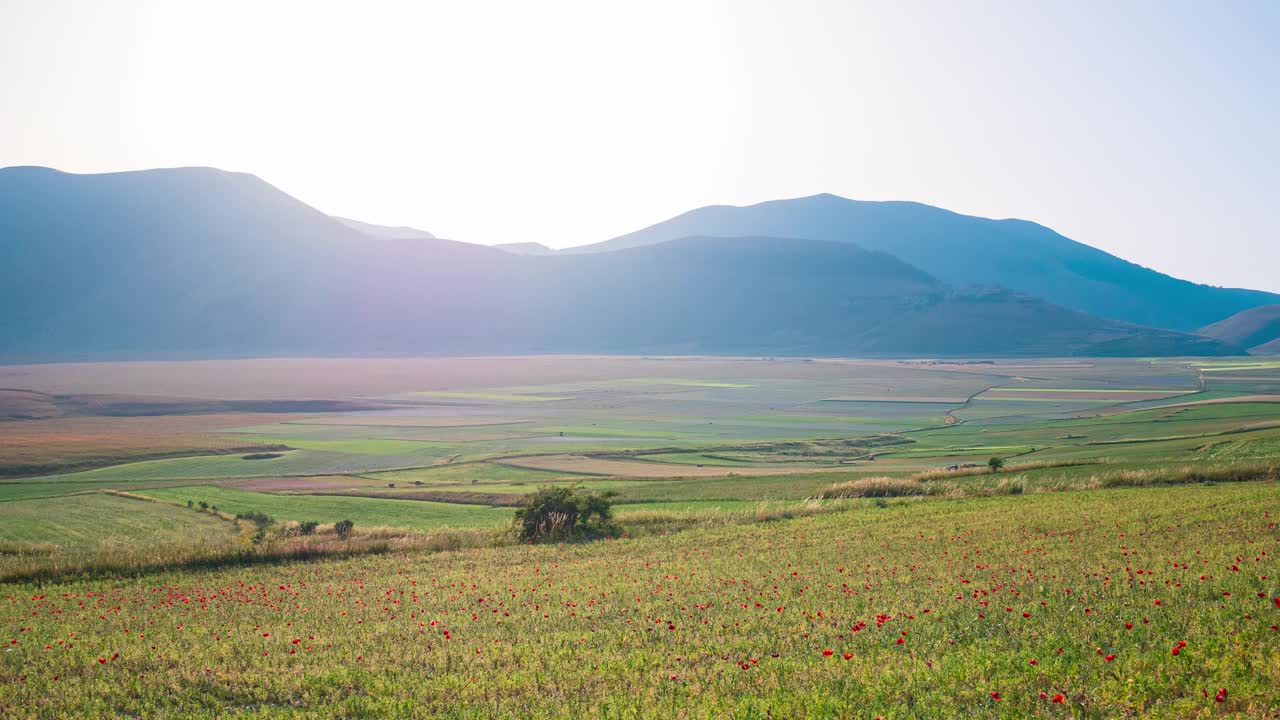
[1138, 602]
[771, 510]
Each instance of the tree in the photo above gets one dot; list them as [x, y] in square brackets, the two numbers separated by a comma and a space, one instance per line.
[562, 513]
[343, 528]
[995, 463]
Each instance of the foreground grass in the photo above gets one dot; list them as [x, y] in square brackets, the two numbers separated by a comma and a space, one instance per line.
[940, 605]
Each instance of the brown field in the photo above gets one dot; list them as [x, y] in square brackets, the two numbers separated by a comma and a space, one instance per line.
[395, 421]
[308, 378]
[76, 443]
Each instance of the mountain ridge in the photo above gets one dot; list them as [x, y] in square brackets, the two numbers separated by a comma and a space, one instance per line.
[200, 262]
[969, 250]
[1257, 329]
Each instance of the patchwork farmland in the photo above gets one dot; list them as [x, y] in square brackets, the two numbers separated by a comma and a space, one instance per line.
[892, 578]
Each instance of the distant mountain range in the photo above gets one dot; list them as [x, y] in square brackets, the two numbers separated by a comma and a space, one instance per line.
[197, 262]
[1257, 329]
[965, 250]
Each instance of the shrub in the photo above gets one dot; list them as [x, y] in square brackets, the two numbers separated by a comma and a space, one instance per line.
[204, 505]
[995, 463]
[564, 513]
[343, 528]
[260, 519]
[308, 527]
[190, 504]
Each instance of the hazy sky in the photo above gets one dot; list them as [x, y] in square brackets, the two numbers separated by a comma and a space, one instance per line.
[1146, 129]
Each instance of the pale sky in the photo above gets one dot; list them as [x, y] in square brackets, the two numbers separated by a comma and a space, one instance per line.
[1148, 129]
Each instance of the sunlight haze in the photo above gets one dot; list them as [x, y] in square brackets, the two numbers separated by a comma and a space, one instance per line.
[1145, 129]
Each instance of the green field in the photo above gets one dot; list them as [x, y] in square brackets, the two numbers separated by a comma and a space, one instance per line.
[85, 522]
[366, 512]
[722, 593]
[1048, 605]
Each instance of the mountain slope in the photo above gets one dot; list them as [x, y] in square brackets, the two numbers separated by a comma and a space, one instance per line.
[525, 248]
[197, 262]
[1253, 328]
[402, 232]
[808, 297]
[966, 250]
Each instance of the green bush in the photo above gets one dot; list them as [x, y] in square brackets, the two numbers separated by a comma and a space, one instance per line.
[260, 519]
[308, 527]
[565, 513]
[343, 528]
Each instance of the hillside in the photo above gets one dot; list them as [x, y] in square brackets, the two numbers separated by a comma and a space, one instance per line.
[403, 232]
[965, 250]
[197, 262]
[1256, 328]
[525, 248]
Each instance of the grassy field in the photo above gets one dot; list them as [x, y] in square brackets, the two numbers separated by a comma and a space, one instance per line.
[86, 522]
[773, 511]
[329, 509]
[1150, 602]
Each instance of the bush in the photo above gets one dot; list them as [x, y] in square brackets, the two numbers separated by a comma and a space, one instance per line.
[343, 528]
[260, 519]
[308, 527]
[564, 513]
[204, 505]
[995, 463]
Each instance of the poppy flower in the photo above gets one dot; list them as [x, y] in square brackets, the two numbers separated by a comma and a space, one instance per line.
[828, 652]
[1059, 699]
[995, 696]
[1109, 658]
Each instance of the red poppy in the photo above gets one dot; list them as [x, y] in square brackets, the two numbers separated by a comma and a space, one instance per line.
[828, 652]
[1059, 699]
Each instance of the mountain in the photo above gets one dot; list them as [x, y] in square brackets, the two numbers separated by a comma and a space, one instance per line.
[1256, 328]
[967, 250]
[197, 262]
[804, 297]
[402, 232]
[525, 248]
[1271, 348]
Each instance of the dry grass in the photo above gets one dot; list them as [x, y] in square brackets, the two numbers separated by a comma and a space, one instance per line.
[660, 522]
[876, 487]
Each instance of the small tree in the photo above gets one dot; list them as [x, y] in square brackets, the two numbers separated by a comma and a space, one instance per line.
[190, 504]
[343, 528]
[308, 527]
[558, 513]
[204, 505]
[996, 464]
